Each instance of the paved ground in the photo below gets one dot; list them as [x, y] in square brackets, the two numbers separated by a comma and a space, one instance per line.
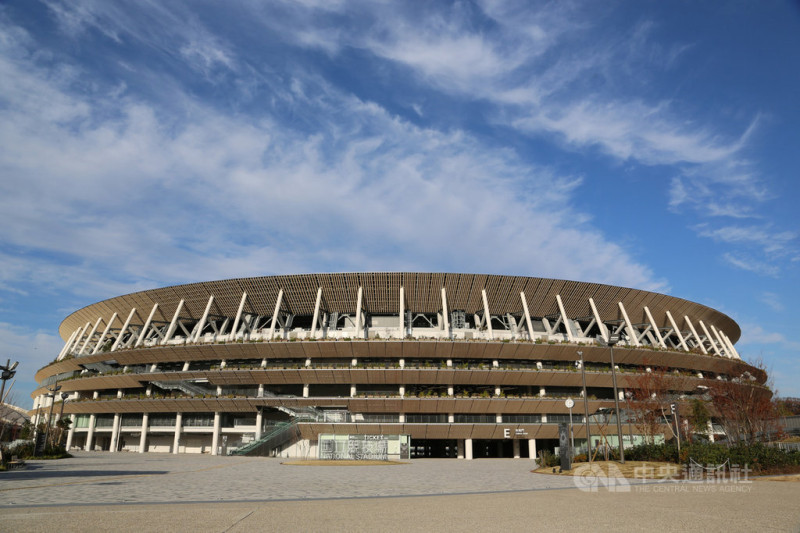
[154, 492]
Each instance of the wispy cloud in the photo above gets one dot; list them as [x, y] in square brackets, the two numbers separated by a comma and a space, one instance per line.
[751, 265]
[190, 193]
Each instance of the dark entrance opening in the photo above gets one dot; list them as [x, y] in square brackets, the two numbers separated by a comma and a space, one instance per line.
[433, 448]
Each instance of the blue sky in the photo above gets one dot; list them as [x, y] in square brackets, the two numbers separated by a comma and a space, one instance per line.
[646, 144]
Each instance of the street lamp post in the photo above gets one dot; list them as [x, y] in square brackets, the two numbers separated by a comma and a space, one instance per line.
[64, 397]
[586, 411]
[56, 387]
[8, 372]
[570, 404]
[612, 340]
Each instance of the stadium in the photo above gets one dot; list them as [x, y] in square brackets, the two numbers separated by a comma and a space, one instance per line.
[374, 364]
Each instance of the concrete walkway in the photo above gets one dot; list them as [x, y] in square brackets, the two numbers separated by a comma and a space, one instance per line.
[153, 492]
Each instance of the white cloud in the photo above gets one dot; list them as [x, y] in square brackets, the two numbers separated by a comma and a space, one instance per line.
[773, 301]
[752, 265]
[145, 196]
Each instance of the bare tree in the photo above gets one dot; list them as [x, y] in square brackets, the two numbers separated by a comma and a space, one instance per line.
[652, 394]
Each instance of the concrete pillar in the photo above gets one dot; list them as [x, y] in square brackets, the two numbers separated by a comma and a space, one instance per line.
[352, 391]
[402, 363]
[710, 431]
[115, 433]
[451, 418]
[261, 390]
[460, 447]
[90, 434]
[71, 433]
[532, 448]
[143, 437]
[186, 366]
[497, 391]
[402, 418]
[215, 435]
[516, 448]
[402, 391]
[468, 449]
[305, 391]
[542, 392]
[450, 391]
[176, 442]
[498, 418]
[259, 423]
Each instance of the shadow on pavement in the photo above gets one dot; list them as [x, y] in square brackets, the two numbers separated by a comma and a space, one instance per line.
[35, 472]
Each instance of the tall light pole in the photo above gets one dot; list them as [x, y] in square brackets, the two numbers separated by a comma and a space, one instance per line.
[56, 387]
[8, 372]
[64, 397]
[612, 340]
[586, 411]
[570, 404]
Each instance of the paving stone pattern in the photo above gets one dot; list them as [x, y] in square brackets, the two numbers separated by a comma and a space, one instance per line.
[97, 477]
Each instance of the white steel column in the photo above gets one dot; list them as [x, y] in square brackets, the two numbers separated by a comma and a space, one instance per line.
[564, 318]
[527, 315]
[202, 323]
[143, 437]
[176, 441]
[103, 335]
[63, 351]
[532, 449]
[123, 330]
[239, 317]
[274, 321]
[115, 433]
[719, 339]
[143, 333]
[78, 340]
[174, 324]
[444, 313]
[710, 338]
[677, 331]
[91, 334]
[316, 312]
[600, 324]
[259, 423]
[71, 433]
[215, 435]
[468, 449]
[488, 318]
[402, 313]
[358, 311]
[90, 433]
[631, 331]
[655, 327]
[694, 332]
[730, 345]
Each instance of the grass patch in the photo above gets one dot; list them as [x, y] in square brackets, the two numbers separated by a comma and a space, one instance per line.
[631, 469]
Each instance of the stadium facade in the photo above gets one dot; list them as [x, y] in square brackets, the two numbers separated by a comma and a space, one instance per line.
[457, 365]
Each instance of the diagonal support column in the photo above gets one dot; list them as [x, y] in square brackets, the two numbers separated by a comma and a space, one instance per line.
[274, 321]
[103, 335]
[631, 331]
[600, 324]
[123, 330]
[143, 333]
[315, 320]
[527, 315]
[564, 318]
[487, 316]
[202, 323]
[91, 334]
[444, 313]
[694, 333]
[709, 337]
[655, 327]
[677, 331]
[174, 323]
